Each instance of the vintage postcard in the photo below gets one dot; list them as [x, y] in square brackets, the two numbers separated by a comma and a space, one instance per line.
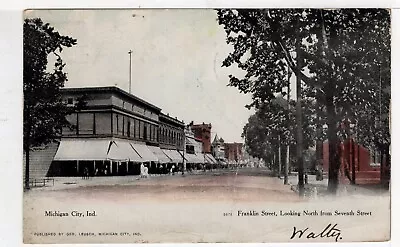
[206, 125]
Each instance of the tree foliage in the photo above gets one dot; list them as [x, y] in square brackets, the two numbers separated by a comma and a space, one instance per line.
[44, 111]
[273, 124]
[344, 63]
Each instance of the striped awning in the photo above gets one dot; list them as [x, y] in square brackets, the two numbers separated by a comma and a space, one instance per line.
[162, 158]
[191, 141]
[82, 149]
[145, 153]
[174, 155]
[195, 158]
[92, 149]
[122, 150]
[210, 159]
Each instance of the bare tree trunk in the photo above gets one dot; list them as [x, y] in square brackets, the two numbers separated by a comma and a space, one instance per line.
[27, 144]
[279, 157]
[286, 177]
[27, 186]
[334, 159]
[27, 159]
[300, 165]
[319, 132]
[353, 162]
[286, 168]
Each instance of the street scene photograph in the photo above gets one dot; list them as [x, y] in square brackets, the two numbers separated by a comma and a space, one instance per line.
[206, 125]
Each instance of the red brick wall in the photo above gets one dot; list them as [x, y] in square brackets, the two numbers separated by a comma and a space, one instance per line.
[233, 151]
[203, 132]
[361, 161]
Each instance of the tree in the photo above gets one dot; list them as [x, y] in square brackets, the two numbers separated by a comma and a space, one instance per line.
[44, 112]
[272, 125]
[339, 53]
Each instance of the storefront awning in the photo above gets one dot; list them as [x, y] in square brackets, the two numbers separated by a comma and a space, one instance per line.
[75, 149]
[174, 155]
[183, 156]
[122, 150]
[190, 141]
[210, 159]
[145, 153]
[162, 158]
[195, 159]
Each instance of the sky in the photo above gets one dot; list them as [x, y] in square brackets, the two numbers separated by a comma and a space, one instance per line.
[176, 61]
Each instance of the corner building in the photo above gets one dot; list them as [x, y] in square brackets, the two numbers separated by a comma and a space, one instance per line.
[113, 132]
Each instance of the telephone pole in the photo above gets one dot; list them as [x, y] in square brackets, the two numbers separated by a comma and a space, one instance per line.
[130, 71]
[299, 124]
[286, 169]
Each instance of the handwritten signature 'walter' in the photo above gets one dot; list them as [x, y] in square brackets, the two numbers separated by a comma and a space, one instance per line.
[330, 231]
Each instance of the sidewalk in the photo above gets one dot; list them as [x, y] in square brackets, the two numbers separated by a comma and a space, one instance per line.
[61, 183]
[321, 187]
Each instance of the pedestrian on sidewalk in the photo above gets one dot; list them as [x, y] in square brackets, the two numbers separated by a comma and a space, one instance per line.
[141, 170]
[145, 172]
[86, 173]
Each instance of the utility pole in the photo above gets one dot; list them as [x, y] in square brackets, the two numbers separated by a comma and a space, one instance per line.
[300, 165]
[285, 178]
[130, 71]
[279, 157]
[382, 170]
[184, 150]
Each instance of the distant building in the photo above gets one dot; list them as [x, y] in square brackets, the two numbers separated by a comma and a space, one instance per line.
[218, 148]
[365, 163]
[203, 132]
[234, 152]
[194, 148]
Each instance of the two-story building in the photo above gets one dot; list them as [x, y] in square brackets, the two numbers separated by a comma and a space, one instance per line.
[202, 132]
[112, 132]
[194, 149]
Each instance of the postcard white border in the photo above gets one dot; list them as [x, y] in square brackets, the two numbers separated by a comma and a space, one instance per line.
[11, 98]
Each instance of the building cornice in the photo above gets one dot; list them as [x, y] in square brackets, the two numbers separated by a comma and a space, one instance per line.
[111, 89]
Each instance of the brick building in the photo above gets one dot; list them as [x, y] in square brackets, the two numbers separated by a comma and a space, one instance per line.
[365, 163]
[203, 133]
[234, 152]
